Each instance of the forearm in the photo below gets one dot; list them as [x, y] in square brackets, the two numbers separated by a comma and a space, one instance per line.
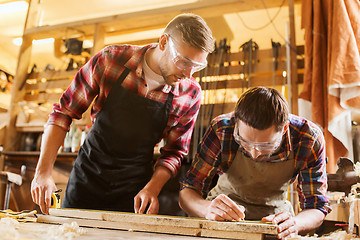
[308, 220]
[158, 179]
[192, 203]
[52, 139]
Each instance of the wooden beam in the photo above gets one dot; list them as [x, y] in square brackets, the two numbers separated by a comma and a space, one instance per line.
[99, 38]
[293, 60]
[148, 19]
[17, 92]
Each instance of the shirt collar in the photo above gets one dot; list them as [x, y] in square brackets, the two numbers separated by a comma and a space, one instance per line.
[285, 149]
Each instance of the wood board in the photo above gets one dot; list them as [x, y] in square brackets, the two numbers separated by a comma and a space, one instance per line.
[42, 231]
[160, 224]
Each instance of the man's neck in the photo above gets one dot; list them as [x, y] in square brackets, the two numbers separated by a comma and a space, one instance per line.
[152, 59]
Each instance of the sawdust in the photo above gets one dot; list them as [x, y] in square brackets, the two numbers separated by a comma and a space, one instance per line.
[65, 231]
[338, 235]
[8, 228]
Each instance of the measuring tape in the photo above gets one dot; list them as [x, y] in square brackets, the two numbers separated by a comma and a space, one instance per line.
[55, 199]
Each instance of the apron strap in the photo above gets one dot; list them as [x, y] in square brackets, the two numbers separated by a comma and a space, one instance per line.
[122, 77]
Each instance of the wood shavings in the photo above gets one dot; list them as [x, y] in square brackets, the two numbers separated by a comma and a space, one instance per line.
[8, 229]
[357, 169]
[338, 235]
[22, 216]
[354, 188]
[65, 231]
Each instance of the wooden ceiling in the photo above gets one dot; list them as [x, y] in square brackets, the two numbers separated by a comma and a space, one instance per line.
[148, 19]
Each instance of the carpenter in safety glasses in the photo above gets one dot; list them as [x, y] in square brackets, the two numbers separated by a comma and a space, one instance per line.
[262, 150]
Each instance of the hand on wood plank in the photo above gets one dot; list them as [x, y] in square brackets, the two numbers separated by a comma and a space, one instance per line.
[146, 198]
[222, 208]
[286, 224]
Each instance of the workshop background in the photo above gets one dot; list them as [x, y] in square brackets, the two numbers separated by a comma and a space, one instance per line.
[308, 50]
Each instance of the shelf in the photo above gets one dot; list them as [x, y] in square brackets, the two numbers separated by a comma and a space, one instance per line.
[34, 156]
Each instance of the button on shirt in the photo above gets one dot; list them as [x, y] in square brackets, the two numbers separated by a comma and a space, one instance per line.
[218, 148]
[95, 79]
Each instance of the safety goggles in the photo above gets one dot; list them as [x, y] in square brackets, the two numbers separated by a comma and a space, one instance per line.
[184, 63]
[266, 148]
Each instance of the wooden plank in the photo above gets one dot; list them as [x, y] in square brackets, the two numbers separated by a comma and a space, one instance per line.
[246, 226]
[124, 225]
[42, 86]
[158, 223]
[231, 235]
[128, 217]
[43, 97]
[61, 74]
[43, 231]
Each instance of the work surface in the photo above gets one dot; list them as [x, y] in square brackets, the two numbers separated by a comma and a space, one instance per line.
[169, 227]
[40, 231]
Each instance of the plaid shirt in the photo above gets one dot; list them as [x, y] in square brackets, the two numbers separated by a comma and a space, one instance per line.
[218, 148]
[95, 79]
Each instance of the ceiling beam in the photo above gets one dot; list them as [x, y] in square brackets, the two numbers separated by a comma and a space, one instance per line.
[148, 19]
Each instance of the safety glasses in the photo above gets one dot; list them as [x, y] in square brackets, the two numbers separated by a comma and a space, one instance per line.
[184, 63]
[265, 148]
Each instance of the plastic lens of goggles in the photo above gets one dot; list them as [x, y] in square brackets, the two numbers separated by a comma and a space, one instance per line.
[261, 147]
[182, 62]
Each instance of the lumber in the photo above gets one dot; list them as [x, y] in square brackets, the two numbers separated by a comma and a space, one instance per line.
[160, 224]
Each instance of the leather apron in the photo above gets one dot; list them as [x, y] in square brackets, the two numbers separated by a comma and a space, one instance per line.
[261, 187]
[116, 159]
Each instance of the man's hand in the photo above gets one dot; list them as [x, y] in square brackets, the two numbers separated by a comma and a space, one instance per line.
[222, 208]
[143, 198]
[41, 189]
[286, 224]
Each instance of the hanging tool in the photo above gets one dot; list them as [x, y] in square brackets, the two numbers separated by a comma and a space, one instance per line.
[198, 128]
[275, 58]
[227, 59]
[222, 46]
[249, 50]
[204, 107]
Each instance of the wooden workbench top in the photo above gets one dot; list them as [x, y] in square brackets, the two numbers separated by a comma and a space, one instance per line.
[39, 231]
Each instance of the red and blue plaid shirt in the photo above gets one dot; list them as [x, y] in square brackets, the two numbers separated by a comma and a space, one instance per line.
[218, 148]
[95, 79]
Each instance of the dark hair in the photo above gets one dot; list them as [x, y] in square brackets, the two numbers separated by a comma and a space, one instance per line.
[193, 30]
[261, 108]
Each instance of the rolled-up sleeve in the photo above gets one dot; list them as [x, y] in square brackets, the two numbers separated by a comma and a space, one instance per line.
[80, 94]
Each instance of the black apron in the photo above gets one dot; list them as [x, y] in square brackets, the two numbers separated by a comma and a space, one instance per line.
[116, 160]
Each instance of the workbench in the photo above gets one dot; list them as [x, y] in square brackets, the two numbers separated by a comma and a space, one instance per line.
[39, 231]
[341, 212]
[122, 225]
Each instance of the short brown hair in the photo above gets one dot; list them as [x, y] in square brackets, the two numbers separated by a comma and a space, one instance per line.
[193, 30]
[262, 108]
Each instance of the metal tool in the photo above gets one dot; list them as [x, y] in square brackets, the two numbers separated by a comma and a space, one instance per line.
[344, 177]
